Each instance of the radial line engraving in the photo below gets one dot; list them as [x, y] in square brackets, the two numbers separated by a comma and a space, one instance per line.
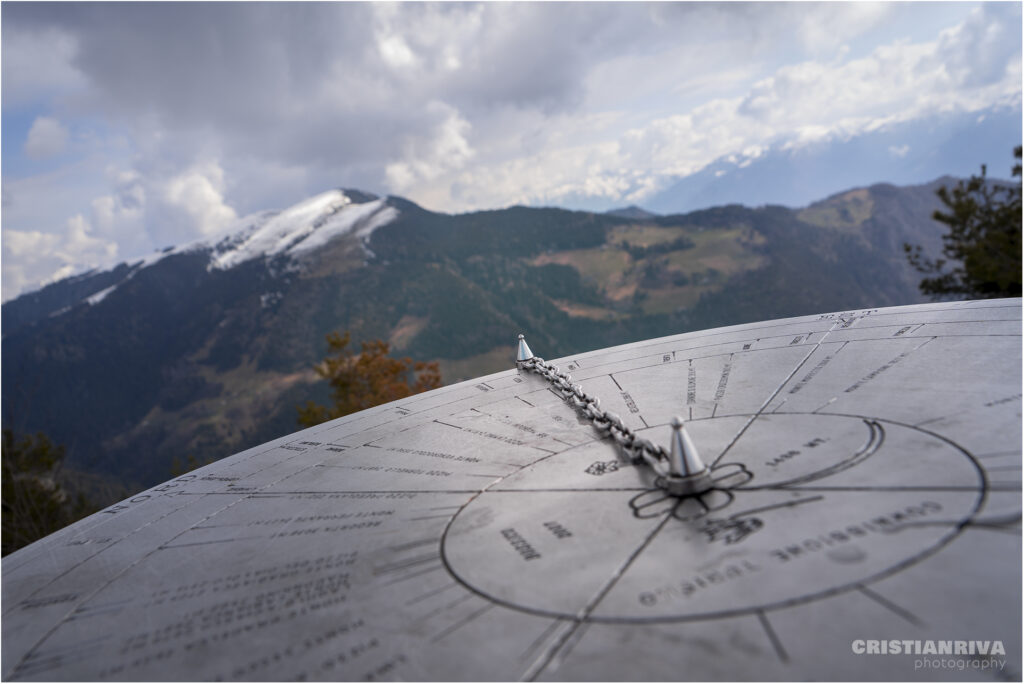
[548, 631]
[773, 637]
[882, 601]
[775, 393]
[549, 657]
[461, 623]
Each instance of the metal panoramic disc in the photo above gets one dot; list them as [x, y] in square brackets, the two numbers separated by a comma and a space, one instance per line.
[859, 518]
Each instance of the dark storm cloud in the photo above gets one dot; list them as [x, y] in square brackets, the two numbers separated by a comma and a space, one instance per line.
[190, 61]
[311, 82]
[325, 85]
[339, 89]
[307, 81]
[244, 70]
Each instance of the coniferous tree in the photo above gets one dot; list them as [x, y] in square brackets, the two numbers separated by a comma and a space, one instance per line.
[361, 380]
[34, 503]
[983, 245]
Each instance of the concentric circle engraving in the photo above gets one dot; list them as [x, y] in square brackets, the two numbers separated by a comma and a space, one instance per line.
[808, 505]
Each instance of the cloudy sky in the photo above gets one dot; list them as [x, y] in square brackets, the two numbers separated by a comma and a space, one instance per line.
[129, 127]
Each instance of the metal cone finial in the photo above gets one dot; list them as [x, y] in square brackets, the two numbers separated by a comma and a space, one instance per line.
[687, 472]
[523, 353]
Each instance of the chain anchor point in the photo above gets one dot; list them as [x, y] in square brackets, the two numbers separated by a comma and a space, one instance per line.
[523, 353]
[680, 470]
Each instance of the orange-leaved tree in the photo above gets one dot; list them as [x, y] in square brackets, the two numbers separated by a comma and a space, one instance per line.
[368, 378]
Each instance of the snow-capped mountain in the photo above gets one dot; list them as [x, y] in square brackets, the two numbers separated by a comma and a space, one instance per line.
[291, 234]
[207, 348]
[299, 229]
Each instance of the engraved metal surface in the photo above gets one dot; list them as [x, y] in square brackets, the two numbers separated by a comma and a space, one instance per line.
[867, 470]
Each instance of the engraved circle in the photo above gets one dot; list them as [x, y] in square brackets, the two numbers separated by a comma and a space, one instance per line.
[835, 502]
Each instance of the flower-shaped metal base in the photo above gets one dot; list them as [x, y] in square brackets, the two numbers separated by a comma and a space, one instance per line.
[655, 502]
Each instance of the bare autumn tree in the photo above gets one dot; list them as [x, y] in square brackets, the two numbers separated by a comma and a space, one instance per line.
[368, 378]
[983, 245]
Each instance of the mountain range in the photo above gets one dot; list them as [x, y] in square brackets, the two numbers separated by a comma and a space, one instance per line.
[202, 350]
[796, 175]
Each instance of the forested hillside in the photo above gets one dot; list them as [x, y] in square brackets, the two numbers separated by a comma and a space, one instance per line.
[201, 352]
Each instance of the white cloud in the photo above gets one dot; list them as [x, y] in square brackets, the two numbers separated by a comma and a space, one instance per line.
[198, 194]
[46, 138]
[828, 26]
[117, 214]
[457, 106]
[899, 151]
[43, 202]
[33, 258]
[395, 51]
[129, 217]
[444, 150]
[797, 105]
[26, 243]
[979, 51]
[80, 246]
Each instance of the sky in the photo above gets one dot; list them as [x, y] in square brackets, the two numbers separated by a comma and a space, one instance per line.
[128, 127]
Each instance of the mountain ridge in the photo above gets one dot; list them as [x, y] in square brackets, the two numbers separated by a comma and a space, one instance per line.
[232, 233]
[180, 357]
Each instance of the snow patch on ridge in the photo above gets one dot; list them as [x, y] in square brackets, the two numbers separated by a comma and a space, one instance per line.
[295, 231]
[304, 227]
[98, 297]
[359, 220]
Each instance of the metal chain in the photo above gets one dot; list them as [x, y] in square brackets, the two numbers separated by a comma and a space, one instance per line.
[637, 449]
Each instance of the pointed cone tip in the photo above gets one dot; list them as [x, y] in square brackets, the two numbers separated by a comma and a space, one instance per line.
[523, 353]
[684, 459]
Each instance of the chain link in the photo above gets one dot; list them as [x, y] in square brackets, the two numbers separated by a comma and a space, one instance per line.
[637, 449]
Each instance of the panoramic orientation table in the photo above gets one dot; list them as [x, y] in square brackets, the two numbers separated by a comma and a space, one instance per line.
[864, 516]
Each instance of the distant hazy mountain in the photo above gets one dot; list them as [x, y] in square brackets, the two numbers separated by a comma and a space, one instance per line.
[631, 212]
[206, 349]
[794, 177]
